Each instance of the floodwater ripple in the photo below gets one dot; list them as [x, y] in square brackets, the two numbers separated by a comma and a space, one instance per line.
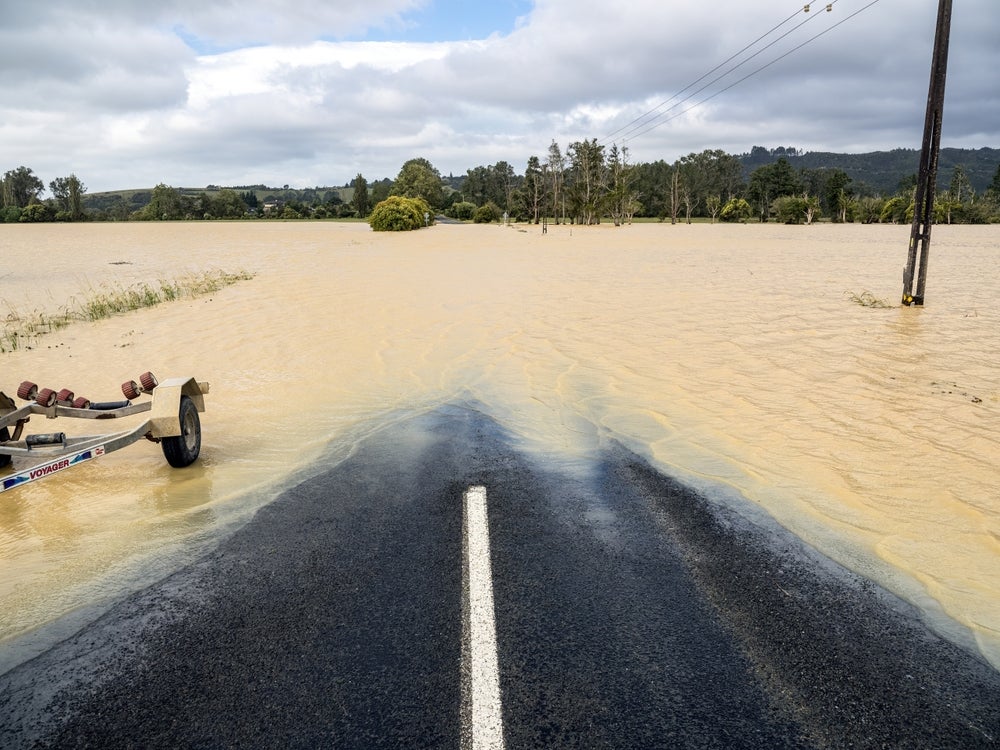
[730, 356]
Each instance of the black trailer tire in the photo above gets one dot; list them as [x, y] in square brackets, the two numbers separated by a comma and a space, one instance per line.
[4, 437]
[182, 450]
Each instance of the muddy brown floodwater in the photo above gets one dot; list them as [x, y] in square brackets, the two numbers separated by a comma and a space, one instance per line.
[729, 356]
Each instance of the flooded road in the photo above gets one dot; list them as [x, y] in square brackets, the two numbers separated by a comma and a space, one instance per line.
[730, 357]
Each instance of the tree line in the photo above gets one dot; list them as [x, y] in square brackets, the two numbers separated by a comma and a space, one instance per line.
[588, 183]
[584, 183]
[21, 201]
[19, 198]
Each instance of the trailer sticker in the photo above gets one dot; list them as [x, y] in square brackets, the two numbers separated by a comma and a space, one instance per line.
[52, 467]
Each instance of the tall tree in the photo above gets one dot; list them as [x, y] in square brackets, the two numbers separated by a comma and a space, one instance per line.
[588, 186]
[675, 193]
[249, 198]
[506, 180]
[21, 187]
[725, 175]
[556, 164]
[769, 182]
[534, 188]
[960, 188]
[836, 193]
[164, 205]
[692, 177]
[380, 190]
[419, 179]
[652, 186]
[954, 203]
[227, 204]
[68, 194]
[360, 199]
[622, 196]
[477, 187]
[709, 178]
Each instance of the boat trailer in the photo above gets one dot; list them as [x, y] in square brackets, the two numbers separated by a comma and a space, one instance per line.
[172, 422]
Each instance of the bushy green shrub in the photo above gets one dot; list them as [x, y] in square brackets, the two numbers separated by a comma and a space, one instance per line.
[398, 214]
[462, 210]
[487, 213]
[10, 214]
[36, 212]
[736, 209]
[896, 210]
[790, 209]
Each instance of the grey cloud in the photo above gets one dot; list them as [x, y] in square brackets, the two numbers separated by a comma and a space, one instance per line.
[575, 69]
[94, 66]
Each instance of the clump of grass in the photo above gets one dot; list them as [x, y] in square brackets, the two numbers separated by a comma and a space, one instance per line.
[867, 299]
[213, 282]
[21, 330]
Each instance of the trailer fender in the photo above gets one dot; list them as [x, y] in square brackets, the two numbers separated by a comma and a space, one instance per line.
[164, 420]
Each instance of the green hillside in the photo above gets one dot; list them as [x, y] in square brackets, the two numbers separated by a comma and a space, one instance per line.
[882, 171]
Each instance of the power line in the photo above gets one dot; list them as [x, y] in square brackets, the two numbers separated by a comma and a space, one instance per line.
[755, 72]
[636, 129]
[703, 77]
[805, 9]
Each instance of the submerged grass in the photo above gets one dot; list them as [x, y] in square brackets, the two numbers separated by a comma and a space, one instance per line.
[867, 299]
[21, 330]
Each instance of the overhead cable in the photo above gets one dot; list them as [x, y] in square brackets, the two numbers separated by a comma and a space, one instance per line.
[702, 78]
[655, 125]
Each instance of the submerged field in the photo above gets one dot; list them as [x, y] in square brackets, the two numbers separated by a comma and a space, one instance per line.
[737, 358]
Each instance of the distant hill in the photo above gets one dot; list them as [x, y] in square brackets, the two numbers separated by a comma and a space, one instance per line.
[881, 171]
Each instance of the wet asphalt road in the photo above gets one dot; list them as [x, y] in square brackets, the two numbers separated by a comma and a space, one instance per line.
[630, 612]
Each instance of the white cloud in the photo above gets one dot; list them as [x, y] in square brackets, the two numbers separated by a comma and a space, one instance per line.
[282, 70]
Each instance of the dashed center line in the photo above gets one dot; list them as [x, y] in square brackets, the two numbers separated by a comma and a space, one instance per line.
[484, 674]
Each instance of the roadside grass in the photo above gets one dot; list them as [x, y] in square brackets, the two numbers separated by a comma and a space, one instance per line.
[21, 330]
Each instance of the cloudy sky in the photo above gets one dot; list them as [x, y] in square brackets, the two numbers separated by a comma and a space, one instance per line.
[128, 94]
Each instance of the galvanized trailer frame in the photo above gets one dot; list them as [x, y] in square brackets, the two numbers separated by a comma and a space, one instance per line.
[173, 422]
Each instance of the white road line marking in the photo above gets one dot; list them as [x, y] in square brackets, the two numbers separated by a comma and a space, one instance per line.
[487, 720]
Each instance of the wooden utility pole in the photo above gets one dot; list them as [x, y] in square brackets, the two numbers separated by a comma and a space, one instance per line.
[923, 204]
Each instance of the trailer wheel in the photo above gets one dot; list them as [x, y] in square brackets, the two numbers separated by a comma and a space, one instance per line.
[4, 437]
[130, 389]
[148, 381]
[27, 390]
[182, 450]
